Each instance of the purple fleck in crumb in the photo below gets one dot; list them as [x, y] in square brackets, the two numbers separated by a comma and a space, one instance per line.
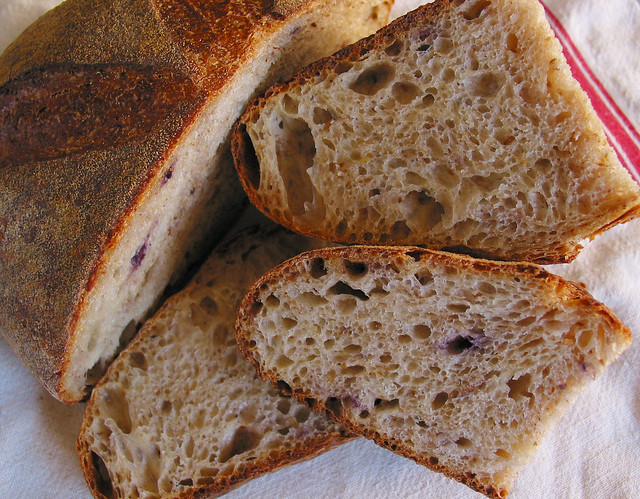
[193, 189]
[136, 259]
[167, 176]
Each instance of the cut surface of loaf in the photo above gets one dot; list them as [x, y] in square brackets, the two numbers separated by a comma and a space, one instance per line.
[180, 412]
[458, 126]
[115, 170]
[457, 363]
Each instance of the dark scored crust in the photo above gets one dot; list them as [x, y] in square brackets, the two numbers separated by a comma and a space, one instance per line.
[78, 155]
[248, 167]
[287, 271]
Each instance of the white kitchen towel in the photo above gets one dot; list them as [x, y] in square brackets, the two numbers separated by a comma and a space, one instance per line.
[593, 453]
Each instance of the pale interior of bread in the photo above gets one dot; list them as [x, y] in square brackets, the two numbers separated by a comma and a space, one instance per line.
[181, 409]
[462, 369]
[467, 133]
[197, 193]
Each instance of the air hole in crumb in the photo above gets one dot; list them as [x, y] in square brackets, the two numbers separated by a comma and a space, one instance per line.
[321, 116]
[543, 164]
[395, 48]
[342, 288]
[209, 305]
[355, 269]
[463, 442]
[443, 45]
[342, 67]
[249, 158]
[242, 440]
[422, 210]
[448, 75]
[439, 400]
[318, 269]
[138, 360]
[282, 362]
[288, 322]
[302, 414]
[585, 338]
[283, 405]
[421, 331]
[424, 277]
[353, 349]
[165, 407]
[428, 100]
[400, 231]
[512, 42]
[255, 307]
[364, 414]
[457, 308]
[382, 405]
[405, 92]
[518, 387]
[295, 152]
[283, 387]
[475, 9]
[486, 84]
[283, 431]
[353, 370]
[118, 409]
[404, 339]
[328, 344]
[458, 345]
[101, 476]
[334, 407]
[503, 454]
[373, 79]
[290, 104]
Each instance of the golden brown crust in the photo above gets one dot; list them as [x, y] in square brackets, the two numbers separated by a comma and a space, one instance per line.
[64, 203]
[252, 302]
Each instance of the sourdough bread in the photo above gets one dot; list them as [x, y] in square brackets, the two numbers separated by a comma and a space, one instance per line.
[458, 126]
[115, 171]
[459, 364]
[180, 412]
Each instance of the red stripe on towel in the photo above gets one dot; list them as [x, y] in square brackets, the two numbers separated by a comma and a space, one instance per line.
[622, 135]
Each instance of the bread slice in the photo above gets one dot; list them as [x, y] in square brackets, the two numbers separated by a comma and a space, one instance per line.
[458, 126]
[457, 363]
[180, 412]
[116, 176]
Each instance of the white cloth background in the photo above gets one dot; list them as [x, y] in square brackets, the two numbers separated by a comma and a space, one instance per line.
[594, 452]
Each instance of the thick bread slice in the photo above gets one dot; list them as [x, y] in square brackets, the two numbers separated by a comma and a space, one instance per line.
[458, 126]
[180, 412]
[115, 170]
[457, 363]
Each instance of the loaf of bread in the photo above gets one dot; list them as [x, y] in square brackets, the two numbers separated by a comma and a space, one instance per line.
[458, 126]
[180, 412]
[116, 176]
[457, 363]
